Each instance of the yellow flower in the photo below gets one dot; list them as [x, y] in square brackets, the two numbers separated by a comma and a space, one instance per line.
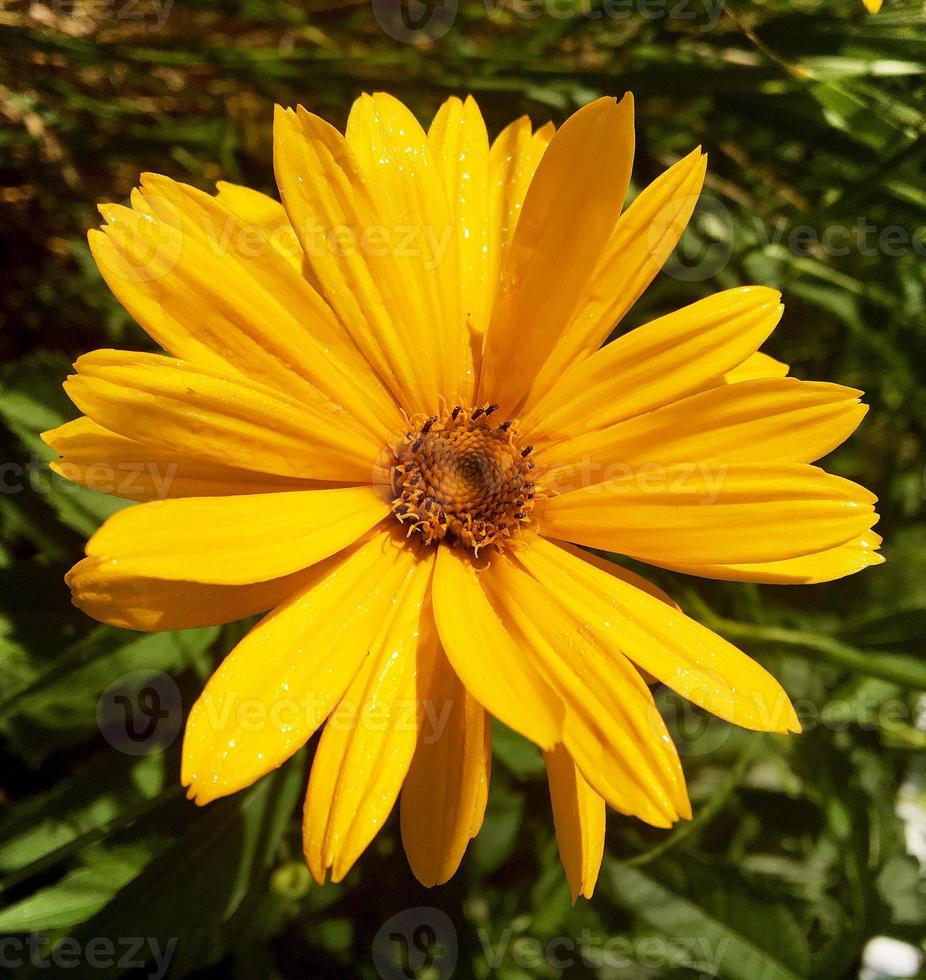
[385, 417]
[872, 6]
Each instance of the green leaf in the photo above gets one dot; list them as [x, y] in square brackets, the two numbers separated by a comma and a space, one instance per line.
[752, 936]
[187, 894]
[60, 701]
[521, 758]
[902, 887]
[31, 402]
[79, 895]
[110, 786]
[499, 833]
[845, 109]
[887, 628]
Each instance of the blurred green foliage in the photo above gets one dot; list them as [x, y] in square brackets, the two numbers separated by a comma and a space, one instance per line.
[813, 115]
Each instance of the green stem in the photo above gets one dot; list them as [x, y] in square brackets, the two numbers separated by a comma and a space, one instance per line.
[93, 836]
[705, 813]
[899, 668]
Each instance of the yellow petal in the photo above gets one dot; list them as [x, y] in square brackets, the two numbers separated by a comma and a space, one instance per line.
[334, 214]
[104, 591]
[757, 365]
[619, 572]
[139, 258]
[281, 681]
[776, 420]
[625, 575]
[612, 728]
[568, 215]
[137, 202]
[872, 6]
[579, 819]
[460, 146]
[406, 182]
[824, 566]
[220, 418]
[712, 513]
[294, 325]
[211, 289]
[495, 671]
[445, 792]
[370, 260]
[370, 738]
[100, 460]
[683, 654]
[656, 364]
[643, 238]
[513, 160]
[265, 213]
[236, 540]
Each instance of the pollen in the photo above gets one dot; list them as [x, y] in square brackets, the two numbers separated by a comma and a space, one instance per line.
[461, 477]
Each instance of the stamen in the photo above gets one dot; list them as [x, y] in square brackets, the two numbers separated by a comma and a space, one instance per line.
[458, 479]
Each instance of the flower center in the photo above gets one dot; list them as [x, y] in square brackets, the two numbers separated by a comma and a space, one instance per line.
[460, 477]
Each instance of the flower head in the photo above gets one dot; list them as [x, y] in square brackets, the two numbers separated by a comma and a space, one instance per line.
[386, 419]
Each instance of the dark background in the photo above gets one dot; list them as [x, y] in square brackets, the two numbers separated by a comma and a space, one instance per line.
[812, 114]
